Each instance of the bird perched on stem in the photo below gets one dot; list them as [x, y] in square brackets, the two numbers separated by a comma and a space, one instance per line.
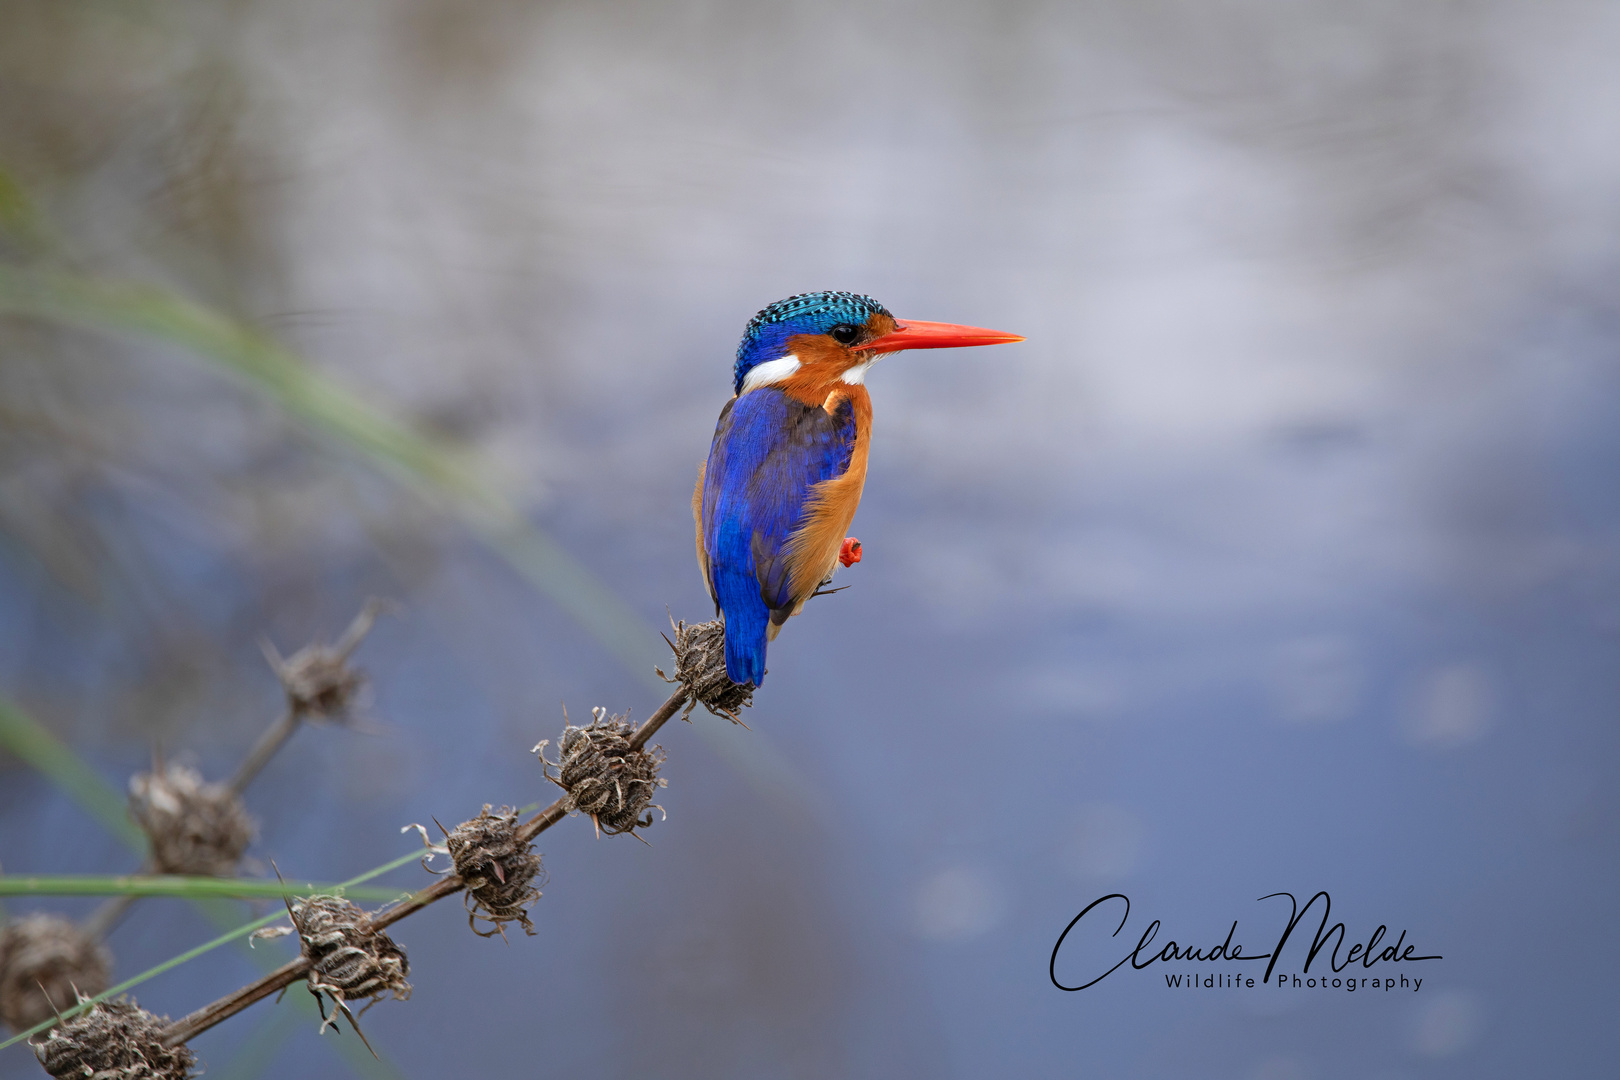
[788, 461]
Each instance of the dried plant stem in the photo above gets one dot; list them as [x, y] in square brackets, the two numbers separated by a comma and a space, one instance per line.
[650, 726]
[108, 914]
[102, 921]
[189, 1027]
[272, 740]
[544, 820]
[277, 734]
[106, 917]
[206, 1017]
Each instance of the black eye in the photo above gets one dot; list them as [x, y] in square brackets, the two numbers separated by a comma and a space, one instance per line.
[844, 334]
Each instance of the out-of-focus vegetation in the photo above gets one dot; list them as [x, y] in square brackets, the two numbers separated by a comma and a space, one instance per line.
[193, 232]
[130, 183]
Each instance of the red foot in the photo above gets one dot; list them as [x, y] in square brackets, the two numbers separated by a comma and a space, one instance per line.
[850, 553]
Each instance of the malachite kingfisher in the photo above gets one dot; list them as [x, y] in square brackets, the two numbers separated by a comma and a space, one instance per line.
[788, 461]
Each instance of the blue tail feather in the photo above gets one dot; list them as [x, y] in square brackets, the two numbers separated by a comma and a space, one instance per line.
[746, 618]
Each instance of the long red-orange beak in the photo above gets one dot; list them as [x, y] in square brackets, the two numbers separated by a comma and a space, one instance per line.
[916, 334]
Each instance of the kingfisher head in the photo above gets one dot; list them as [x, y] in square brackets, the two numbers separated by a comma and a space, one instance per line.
[838, 335]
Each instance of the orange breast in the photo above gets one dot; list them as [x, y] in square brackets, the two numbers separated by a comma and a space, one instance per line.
[813, 549]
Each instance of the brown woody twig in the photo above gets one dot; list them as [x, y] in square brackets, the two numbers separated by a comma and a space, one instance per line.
[188, 1027]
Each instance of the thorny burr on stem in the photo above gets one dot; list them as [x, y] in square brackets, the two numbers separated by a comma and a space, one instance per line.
[188, 1027]
[315, 679]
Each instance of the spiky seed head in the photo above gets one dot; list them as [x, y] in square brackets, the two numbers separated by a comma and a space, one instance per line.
[46, 961]
[115, 1039]
[498, 869]
[700, 666]
[349, 959]
[195, 827]
[604, 775]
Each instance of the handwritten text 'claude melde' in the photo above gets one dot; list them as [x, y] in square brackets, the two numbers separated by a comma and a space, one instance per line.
[1366, 954]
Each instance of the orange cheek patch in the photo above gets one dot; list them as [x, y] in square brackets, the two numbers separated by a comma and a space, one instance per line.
[816, 350]
[880, 324]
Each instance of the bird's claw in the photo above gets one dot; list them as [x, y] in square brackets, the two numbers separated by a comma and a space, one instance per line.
[849, 554]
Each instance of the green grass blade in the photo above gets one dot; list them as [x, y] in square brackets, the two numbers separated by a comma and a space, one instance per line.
[429, 466]
[359, 1060]
[173, 962]
[267, 1039]
[207, 946]
[170, 885]
[23, 736]
[134, 307]
[334, 412]
[264, 1044]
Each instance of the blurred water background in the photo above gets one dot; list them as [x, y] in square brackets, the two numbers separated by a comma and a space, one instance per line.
[1285, 554]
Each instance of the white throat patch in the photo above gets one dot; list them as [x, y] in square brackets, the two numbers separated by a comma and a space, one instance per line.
[771, 371]
[856, 375]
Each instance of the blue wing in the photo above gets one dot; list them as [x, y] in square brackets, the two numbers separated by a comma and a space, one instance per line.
[769, 452]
